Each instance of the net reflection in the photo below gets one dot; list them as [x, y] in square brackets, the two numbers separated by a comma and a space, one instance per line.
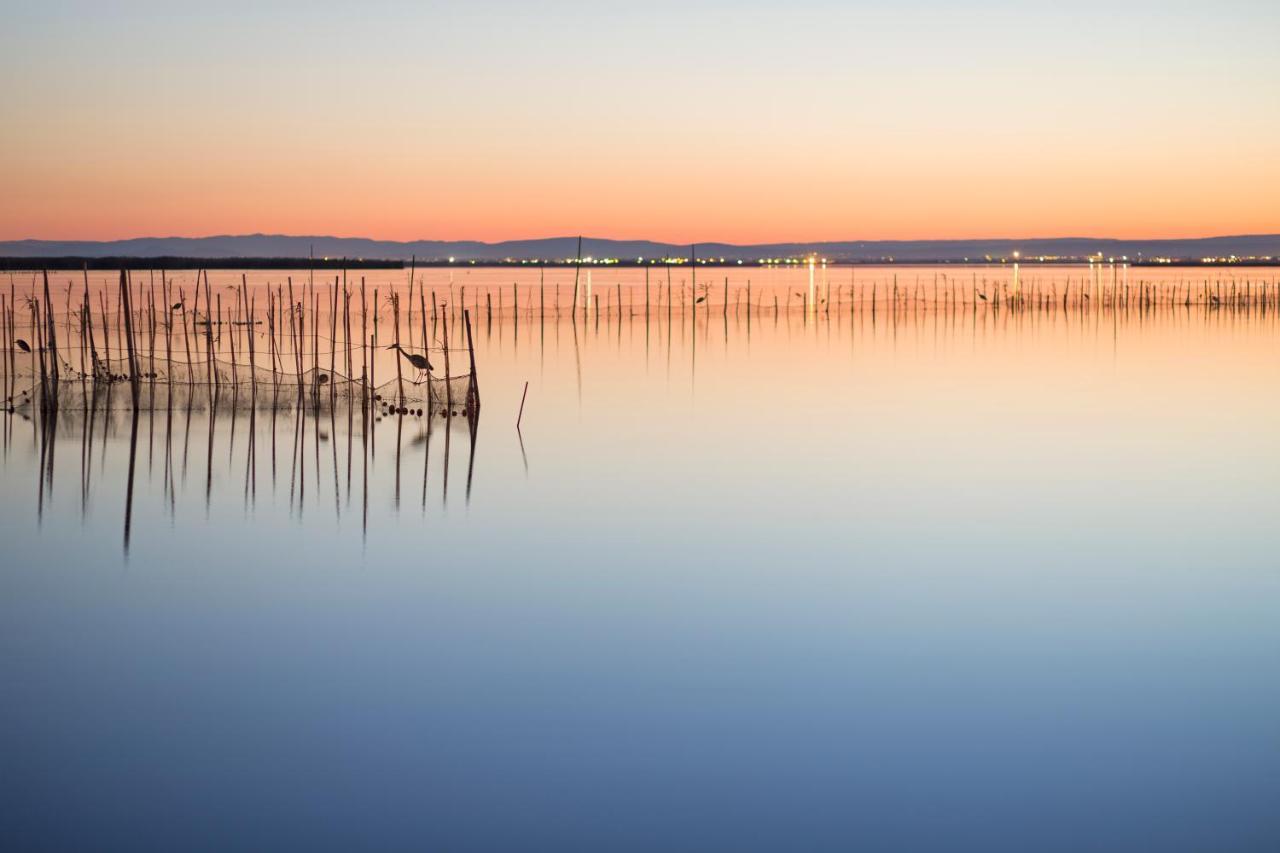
[320, 460]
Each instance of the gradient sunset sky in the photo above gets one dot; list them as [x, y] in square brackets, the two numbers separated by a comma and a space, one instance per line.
[738, 121]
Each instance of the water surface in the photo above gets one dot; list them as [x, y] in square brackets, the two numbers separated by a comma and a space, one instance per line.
[931, 576]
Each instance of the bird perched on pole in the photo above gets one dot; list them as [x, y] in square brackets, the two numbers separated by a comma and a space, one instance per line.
[418, 361]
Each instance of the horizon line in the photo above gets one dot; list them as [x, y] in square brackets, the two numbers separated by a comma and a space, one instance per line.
[303, 236]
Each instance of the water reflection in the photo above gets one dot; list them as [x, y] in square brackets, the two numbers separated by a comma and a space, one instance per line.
[854, 555]
[323, 445]
[323, 432]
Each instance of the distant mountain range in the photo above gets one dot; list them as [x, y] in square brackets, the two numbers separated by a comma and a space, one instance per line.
[559, 248]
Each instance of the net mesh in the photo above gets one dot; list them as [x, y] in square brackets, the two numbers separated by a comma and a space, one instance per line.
[166, 383]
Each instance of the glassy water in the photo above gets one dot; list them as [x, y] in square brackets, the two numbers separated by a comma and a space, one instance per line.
[939, 575]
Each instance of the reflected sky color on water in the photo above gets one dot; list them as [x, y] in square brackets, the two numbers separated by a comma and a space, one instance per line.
[919, 579]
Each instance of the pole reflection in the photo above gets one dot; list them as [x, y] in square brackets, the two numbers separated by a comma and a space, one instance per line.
[124, 455]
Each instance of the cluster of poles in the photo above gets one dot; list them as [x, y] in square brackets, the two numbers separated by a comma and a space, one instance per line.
[946, 291]
[157, 335]
[321, 340]
[943, 292]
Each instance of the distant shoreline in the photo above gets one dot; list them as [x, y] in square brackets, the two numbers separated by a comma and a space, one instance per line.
[168, 262]
[276, 251]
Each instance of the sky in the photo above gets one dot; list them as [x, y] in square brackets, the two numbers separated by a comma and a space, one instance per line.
[736, 121]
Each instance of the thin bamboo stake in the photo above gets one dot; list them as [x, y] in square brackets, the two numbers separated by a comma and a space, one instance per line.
[128, 328]
[395, 307]
[473, 387]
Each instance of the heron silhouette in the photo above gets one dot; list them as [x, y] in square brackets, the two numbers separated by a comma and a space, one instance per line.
[418, 361]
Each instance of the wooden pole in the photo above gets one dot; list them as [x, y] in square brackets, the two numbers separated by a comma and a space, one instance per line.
[577, 264]
[395, 307]
[473, 387]
[52, 344]
[128, 335]
[448, 377]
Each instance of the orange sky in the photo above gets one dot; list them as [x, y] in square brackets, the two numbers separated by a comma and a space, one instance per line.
[745, 124]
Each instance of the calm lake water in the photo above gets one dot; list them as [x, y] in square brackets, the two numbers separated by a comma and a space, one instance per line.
[936, 576]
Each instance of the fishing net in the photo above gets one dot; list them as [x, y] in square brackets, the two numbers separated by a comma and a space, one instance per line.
[166, 384]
